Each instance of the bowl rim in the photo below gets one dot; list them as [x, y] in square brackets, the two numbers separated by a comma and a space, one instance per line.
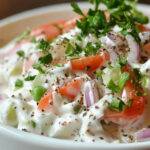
[48, 141]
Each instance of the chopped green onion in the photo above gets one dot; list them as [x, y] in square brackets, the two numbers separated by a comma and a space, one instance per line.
[38, 92]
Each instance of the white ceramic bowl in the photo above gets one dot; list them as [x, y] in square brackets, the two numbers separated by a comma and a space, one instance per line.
[13, 139]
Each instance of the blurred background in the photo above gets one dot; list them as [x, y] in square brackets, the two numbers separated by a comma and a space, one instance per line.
[10, 7]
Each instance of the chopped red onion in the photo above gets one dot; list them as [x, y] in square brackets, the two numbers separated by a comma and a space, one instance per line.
[143, 135]
[134, 53]
[91, 94]
[124, 96]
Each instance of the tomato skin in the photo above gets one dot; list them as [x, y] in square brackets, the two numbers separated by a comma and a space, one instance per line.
[71, 89]
[137, 107]
[90, 63]
[142, 28]
[48, 30]
[45, 101]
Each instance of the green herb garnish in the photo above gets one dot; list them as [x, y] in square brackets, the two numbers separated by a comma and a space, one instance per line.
[113, 87]
[117, 105]
[38, 92]
[33, 123]
[19, 84]
[47, 59]
[39, 67]
[122, 13]
[30, 78]
[76, 8]
[21, 54]
[44, 45]
[77, 108]
[116, 88]
[123, 79]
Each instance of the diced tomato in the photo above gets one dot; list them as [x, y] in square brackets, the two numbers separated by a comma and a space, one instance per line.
[71, 90]
[146, 48]
[50, 31]
[45, 101]
[137, 107]
[142, 28]
[70, 24]
[90, 63]
[137, 102]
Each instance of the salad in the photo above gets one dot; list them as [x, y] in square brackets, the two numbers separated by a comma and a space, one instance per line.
[86, 79]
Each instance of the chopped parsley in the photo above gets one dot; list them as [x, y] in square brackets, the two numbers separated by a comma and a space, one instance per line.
[77, 109]
[122, 79]
[73, 50]
[91, 48]
[47, 59]
[23, 35]
[39, 67]
[113, 87]
[43, 45]
[21, 53]
[38, 92]
[33, 123]
[122, 13]
[117, 105]
[76, 8]
[19, 84]
[30, 78]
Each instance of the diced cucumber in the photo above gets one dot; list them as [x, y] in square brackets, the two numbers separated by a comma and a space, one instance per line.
[111, 74]
[17, 69]
[11, 116]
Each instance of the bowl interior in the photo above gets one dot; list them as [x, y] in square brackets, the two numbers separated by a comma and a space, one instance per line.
[12, 26]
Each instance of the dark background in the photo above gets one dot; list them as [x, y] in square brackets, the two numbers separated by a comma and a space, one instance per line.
[10, 7]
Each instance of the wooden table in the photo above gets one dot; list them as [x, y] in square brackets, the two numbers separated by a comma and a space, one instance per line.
[9, 7]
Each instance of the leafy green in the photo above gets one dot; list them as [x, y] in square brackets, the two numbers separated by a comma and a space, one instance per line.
[117, 105]
[47, 59]
[33, 123]
[23, 35]
[43, 45]
[123, 79]
[30, 78]
[122, 13]
[73, 50]
[39, 67]
[113, 87]
[19, 84]
[76, 8]
[91, 48]
[77, 109]
[21, 53]
[38, 92]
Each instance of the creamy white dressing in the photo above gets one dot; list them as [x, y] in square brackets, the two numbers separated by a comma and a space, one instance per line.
[60, 121]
